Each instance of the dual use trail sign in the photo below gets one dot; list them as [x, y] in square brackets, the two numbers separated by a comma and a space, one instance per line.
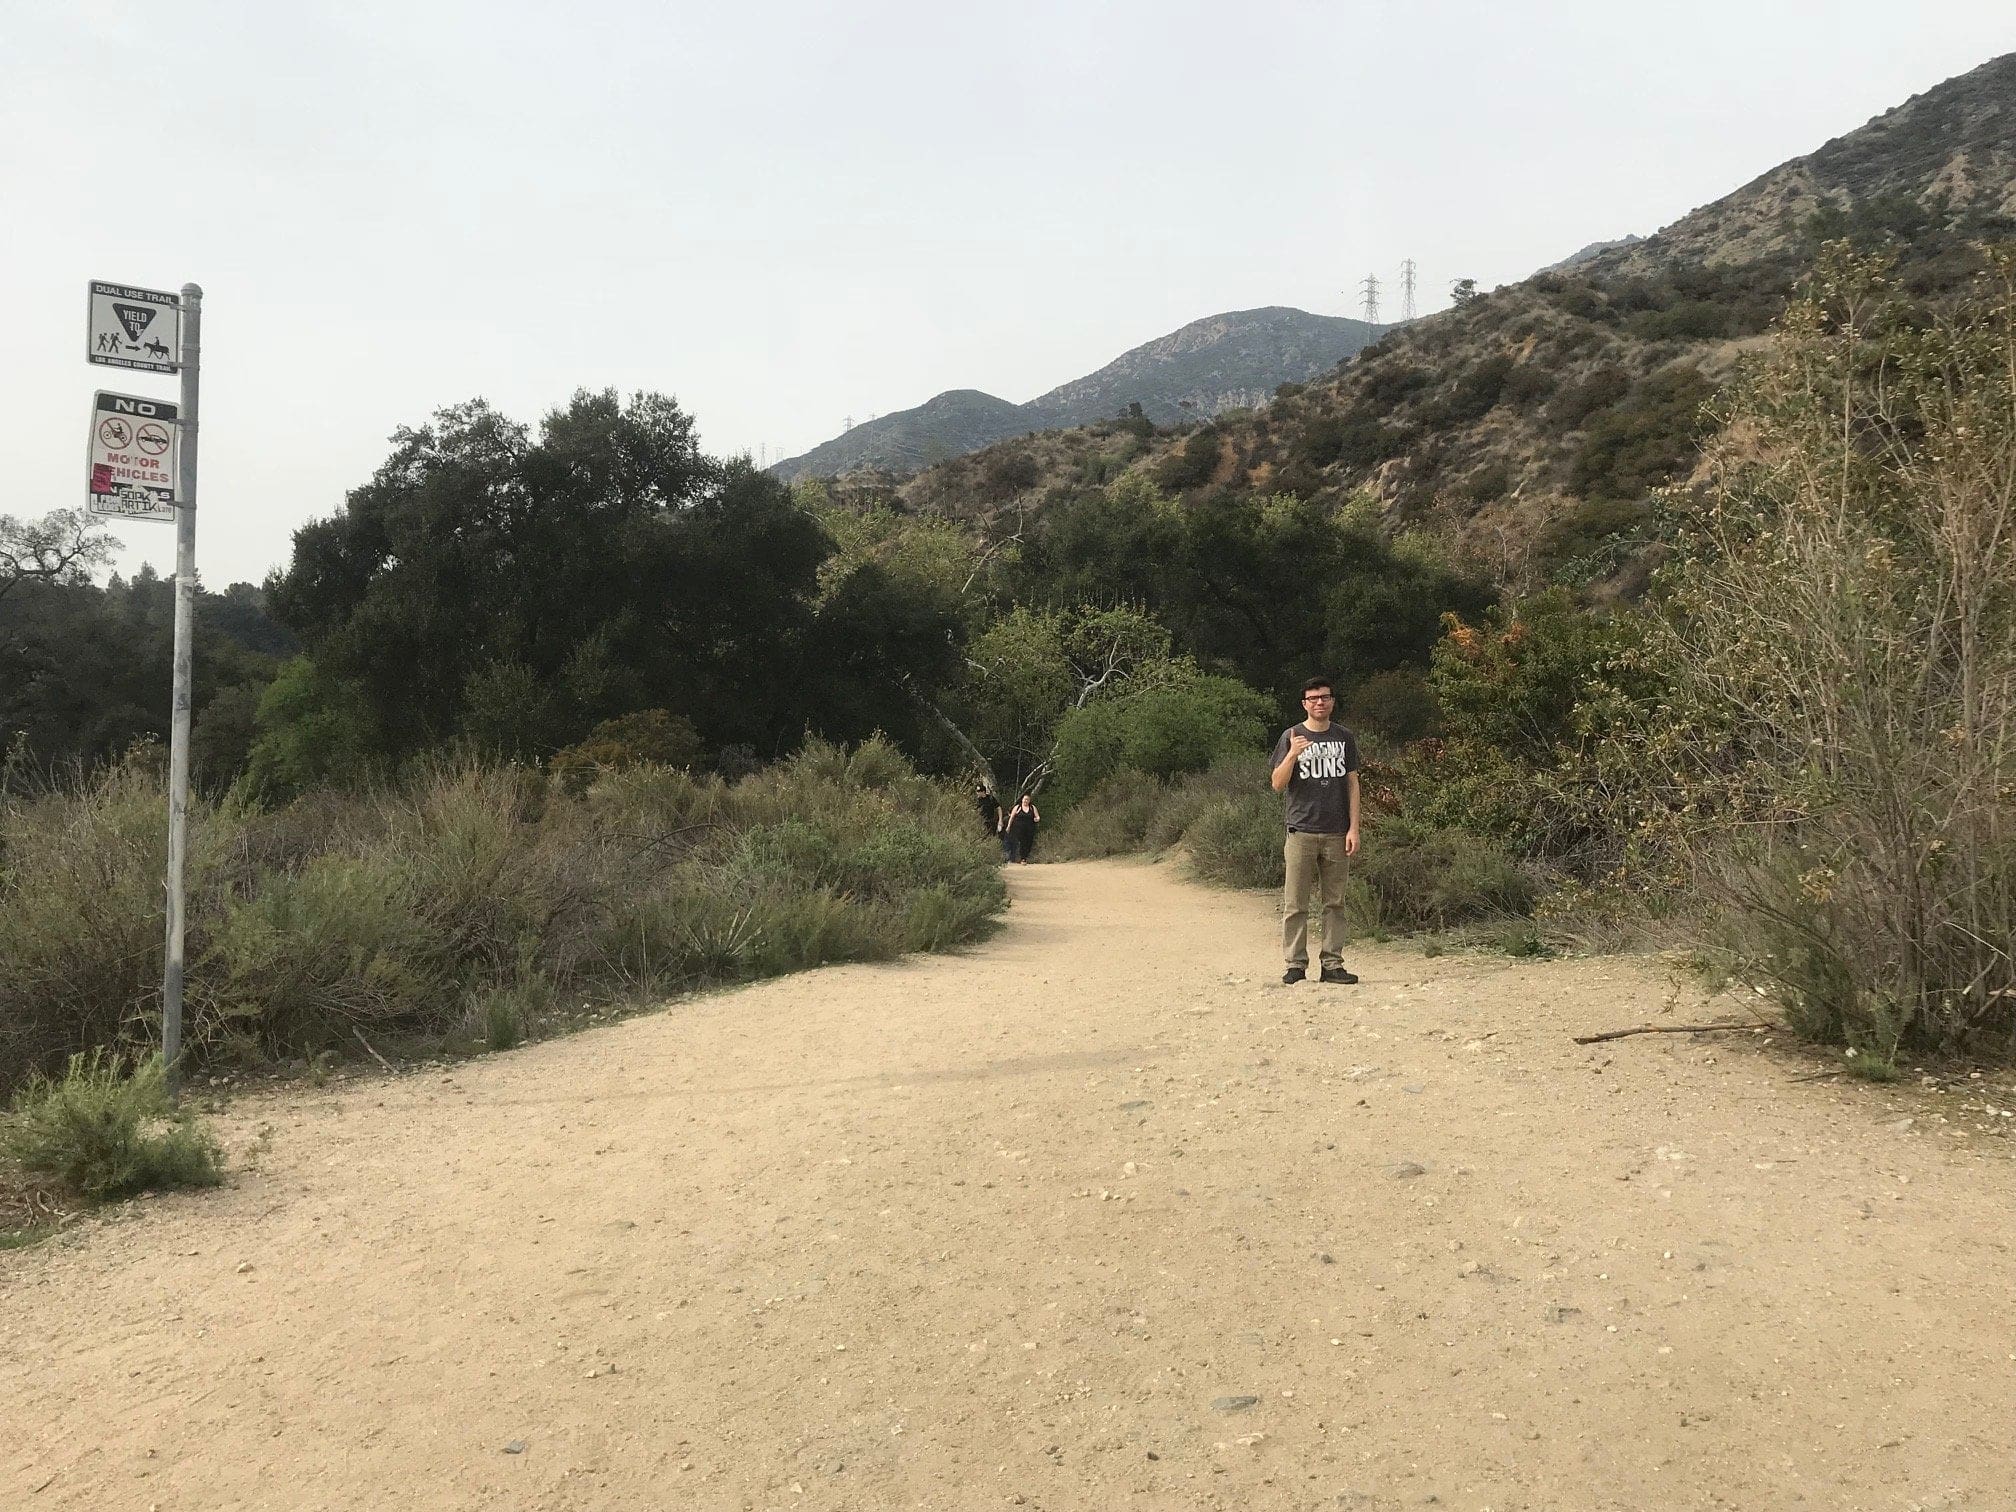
[134, 328]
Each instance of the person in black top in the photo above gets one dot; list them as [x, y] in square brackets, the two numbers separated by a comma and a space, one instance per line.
[989, 807]
[1022, 822]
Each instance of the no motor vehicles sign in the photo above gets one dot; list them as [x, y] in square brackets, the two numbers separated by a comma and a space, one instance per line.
[133, 449]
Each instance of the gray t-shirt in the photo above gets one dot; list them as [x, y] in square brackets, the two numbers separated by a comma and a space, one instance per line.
[1319, 797]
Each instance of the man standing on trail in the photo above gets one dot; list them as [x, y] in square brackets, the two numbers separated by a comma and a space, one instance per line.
[1316, 765]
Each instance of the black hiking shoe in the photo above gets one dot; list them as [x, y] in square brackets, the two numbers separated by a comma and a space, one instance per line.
[1339, 975]
[1293, 975]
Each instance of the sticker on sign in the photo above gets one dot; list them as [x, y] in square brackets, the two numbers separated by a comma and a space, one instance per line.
[134, 328]
[132, 457]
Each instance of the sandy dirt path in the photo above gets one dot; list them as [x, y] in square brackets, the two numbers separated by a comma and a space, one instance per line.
[1096, 1215]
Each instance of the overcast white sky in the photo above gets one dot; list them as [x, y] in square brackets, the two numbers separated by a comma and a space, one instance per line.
[787, 213]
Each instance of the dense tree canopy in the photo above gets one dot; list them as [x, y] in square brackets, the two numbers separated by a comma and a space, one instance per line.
[1268, 589]
[85, 671]
[516, 589]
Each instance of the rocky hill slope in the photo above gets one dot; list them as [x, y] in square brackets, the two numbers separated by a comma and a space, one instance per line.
[1209, 366]
[1529, 425]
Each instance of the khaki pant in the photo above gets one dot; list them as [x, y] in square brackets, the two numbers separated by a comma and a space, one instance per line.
[1313, 861]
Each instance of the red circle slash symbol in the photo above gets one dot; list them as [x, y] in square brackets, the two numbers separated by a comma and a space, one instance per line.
[153, 438]
[114, 434]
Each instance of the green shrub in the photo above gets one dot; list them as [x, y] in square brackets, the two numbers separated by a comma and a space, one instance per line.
[1488, 482]
[1573, 406]
[1474, 394]
[1523, 941]
[1589, 530]
[1528, 384]
[798, 930]
[312, 953]
[104, 1131]
[1431, 878]
[503, 1016]
[938, 917]
[1871, 1068]
[81, 918]
[315, 729]
[650, 737]
[1690, 320]
[1009, 472]
[1365, 442]
[1237, 842]
[1180, 725]
[1646, 441]
[1134, 812]
[1398, 705]
[1390, 384]
[1111, 820]
[455, 902]
[1835, 756]
[1321, 441]
[902, 858]
[1788, 933]
[1191, 464]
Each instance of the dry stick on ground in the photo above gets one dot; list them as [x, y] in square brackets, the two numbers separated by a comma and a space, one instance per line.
[1596, 1039]
[367, 1045]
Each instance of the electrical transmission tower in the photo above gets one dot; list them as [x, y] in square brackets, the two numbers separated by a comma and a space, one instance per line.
[847, 424]
[1368, 288]
[1407, 289]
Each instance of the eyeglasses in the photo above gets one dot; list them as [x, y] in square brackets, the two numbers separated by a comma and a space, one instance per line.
[1319, 698]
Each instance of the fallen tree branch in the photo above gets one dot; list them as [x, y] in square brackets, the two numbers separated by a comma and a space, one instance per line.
[367, 1045]
[1597, 1039]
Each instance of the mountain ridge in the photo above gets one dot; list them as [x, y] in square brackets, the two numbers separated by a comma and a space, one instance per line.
[1529, 427]
[1232, 359]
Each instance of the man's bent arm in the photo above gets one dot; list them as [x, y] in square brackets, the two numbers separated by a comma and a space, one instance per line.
[1283, 772]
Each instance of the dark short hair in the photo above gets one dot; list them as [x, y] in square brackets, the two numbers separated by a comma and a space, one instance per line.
[1318, 682]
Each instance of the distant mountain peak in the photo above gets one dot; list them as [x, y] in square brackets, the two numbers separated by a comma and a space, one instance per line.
[1229, 360]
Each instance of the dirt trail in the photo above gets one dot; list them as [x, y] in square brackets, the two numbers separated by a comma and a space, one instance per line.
[1096, 1215]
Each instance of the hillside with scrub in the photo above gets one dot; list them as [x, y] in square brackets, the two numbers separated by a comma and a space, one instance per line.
[1528, 426]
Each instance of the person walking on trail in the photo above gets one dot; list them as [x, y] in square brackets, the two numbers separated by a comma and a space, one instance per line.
[1316, 765]
[989, 807]
[1022, 822]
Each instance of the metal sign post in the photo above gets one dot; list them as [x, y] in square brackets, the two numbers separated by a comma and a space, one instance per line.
[143, 466]
[178, 738]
